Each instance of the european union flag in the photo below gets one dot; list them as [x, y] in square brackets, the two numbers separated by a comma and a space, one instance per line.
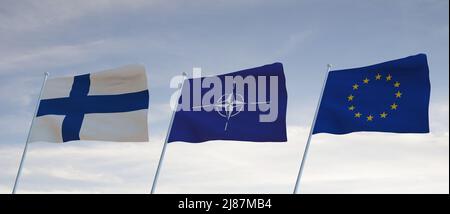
[251, 108]
[388, 97]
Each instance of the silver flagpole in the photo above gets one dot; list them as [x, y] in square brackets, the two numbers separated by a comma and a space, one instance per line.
[305, 153]
[28, 138]
[163, 152]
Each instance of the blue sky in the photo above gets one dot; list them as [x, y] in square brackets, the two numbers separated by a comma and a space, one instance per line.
[170, 37]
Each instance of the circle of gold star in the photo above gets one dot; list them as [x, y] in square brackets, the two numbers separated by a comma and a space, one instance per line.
[383, 114]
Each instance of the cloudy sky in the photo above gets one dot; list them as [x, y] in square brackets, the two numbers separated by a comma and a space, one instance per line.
[170, 37]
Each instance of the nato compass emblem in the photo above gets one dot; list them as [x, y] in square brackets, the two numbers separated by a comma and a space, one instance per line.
[230, 105]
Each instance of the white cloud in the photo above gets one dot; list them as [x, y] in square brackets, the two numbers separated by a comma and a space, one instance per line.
[54, 56]
[72, 174]
[14, 95]
[356, 163]
[353, 163]
[159, 113]
[29, 15]
[294, 42]
[90, 167]
[14, 124]
[377, 163]
[43, 55]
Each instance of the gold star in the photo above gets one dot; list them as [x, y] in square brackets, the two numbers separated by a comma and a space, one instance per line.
[383, 115]
[366, 80]
[397, 84]
[358, 115]
[389, 78]
[350, 98]
[378, 77]
[351, 108]
[394, 106]
[398, 94]
[355, 87]
[369, 118]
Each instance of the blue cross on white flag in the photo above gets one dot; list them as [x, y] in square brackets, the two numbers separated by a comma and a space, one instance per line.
[105, 106]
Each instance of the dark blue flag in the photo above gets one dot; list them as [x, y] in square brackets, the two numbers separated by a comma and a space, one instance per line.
[387, 97]
[253, 108]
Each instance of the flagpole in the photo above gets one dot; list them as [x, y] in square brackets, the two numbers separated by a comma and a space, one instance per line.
[19, 171]
[305, 153]
[163, 152]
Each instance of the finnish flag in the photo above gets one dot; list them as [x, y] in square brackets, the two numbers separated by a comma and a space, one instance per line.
[105, 106]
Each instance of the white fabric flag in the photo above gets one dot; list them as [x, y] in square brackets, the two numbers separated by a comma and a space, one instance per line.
[104, 106]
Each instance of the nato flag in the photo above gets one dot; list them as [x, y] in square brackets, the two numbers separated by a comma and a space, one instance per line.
[387, 97]
[253, 108]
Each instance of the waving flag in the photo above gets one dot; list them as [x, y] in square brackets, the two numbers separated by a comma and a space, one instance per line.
[252, 109]
[388, 97]
[105, 106]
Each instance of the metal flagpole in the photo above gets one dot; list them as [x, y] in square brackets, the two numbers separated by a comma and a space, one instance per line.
[28, 138]
[163, 152]
[305, 153]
